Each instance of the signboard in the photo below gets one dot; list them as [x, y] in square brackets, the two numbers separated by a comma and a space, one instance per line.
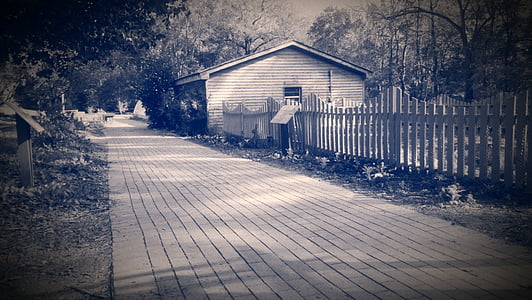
[25, 114]
[24, 123]
[285, 114]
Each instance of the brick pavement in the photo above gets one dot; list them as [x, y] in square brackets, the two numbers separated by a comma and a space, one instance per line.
[191, 223]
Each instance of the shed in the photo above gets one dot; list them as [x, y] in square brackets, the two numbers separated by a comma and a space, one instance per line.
[291, 71]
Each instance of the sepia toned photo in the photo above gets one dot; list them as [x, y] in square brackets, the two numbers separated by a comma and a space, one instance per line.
[265, 149]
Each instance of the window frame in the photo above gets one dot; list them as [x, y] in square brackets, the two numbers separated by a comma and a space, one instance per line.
[289, 93]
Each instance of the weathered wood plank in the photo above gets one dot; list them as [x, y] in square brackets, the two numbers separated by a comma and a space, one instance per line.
[430, 136]
[24, 152]
[398, 99]
[496, 130]
[471, 141]
[528, 141]
[450, 139]
[405, 124]
[509, 135]
[460, 137]
[440, 134]
[520, 138]
[483, 146]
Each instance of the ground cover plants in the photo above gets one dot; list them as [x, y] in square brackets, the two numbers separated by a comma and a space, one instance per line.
[55, 237]
[484, 206]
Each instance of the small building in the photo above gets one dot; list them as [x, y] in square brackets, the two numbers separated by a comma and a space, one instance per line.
[291, 71]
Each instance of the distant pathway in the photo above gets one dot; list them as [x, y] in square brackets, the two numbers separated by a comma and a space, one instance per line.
[191, 223]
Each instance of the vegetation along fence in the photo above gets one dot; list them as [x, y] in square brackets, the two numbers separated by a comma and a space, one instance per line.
[487, 140]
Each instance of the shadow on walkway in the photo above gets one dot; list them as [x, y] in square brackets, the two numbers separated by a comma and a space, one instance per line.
[190, 222]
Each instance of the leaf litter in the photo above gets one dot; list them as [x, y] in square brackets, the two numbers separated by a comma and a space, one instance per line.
[55, 237]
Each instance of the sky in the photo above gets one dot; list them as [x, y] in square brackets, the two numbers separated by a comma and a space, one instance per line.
[312, 8]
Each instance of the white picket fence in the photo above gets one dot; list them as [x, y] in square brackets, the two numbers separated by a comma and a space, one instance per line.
[487, 140]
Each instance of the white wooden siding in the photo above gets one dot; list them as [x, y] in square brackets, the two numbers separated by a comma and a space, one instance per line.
[267, 76]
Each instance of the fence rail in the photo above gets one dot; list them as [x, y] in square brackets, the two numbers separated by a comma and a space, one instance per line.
[487, 140]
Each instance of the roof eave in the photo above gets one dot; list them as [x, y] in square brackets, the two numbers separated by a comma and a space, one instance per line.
[205, 74]
[336, 60]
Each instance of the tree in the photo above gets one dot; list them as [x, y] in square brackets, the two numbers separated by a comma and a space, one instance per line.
[241, 27]
[468, 49]
[474, 23]
[332, 29]
[52, 41]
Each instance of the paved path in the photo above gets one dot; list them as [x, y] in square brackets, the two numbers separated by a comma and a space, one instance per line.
[189, 222]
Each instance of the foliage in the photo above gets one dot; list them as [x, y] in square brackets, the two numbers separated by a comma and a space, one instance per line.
[67, 166]
[192, 118]
[76, 48]
[373, 172]
[332, 29]
[99, 53]
[55, 235]
[467, 49]
[69, 171]
[183, 111]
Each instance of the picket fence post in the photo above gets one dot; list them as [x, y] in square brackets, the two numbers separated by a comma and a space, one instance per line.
[520, 139]
[509, 131]
[528, 141]
[483, 147]
[460, 137]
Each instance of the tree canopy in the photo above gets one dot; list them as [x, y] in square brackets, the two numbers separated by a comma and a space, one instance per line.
[101, 53]
[466, 48]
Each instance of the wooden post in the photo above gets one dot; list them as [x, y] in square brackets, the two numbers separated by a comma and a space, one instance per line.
[405, 122]
[520, 139]
[24, 151]
[440, 131]
[472, 142]
[413, 140]
[398, 103]
[509, 139]
[423, 121]
[284, 143]
[449, 136]
[528, 143]
[430, 136]
[24, 123]
[496, 139]
[484, 159]
[460, 134]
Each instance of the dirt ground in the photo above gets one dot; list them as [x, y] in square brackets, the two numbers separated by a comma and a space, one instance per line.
[55, 238]
[57, 254]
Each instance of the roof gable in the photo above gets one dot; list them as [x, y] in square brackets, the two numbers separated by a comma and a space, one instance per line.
[205, 74]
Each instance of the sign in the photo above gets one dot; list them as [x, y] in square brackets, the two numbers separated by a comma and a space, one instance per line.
[285, 114]
[24, 124]
[25, 114]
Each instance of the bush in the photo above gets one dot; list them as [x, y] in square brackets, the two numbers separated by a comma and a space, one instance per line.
[180, 109]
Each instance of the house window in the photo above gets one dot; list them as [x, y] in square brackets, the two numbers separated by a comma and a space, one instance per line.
[292, 94]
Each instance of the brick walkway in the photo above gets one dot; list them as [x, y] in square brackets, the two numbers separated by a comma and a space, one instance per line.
[189, 222]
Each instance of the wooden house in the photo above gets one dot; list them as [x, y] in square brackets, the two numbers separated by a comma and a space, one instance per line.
[291, 71]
